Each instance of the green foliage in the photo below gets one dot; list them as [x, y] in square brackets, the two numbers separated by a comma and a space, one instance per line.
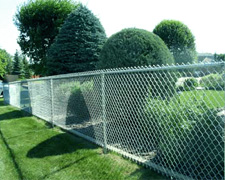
[181, 127]
[179, 40]
[175, 115]
[219, 57]
[5, 62]
[26, 68]
[213, 81]
[38, 22]
[74, 92]
[180, 88]
[9, 67]
[21, 66]
[78, 44]
[163, 83]
[68, 88]
[134, 47]
[18, 65]
[190, 84]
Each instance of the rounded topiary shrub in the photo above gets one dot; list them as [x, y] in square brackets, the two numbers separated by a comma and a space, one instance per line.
[137, 47]
[127, 92]
[179, 39]
[134, 47]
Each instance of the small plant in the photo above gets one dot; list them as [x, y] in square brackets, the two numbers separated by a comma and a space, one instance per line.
[213, 82]
[190, 84]
[73, 94]
[179, 128]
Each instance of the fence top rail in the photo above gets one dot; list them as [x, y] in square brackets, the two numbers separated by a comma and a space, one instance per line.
[127, 70]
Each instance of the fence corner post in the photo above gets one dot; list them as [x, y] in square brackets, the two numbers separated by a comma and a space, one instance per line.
[52, 103]
[103, 113]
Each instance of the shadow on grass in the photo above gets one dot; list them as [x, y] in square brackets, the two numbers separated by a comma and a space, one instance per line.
[146, 173]
[14, 115]
[58, 145]
[12, 155]
[64, 167]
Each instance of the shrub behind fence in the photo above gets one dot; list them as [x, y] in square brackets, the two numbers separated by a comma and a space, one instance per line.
[153, 115]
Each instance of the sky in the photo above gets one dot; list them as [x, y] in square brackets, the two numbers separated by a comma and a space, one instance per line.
[205, 19]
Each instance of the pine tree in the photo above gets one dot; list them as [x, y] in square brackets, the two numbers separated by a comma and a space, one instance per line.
[78, 44]
[17, 65]
[9, 67]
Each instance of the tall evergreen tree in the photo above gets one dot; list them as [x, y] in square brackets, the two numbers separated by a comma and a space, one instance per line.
[9, 67]
[17, 65]
[78, 44]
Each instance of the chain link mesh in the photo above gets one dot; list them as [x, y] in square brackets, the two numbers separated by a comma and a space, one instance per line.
[170, 118]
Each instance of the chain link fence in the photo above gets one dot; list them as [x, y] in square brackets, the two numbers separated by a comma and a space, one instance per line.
[169, 118]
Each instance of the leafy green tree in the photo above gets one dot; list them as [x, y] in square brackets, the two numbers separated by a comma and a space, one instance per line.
[78, 44]
[219, 57]
[38, 22]
[5, 58]
[18, 65]
[179, 40]
[134, 47]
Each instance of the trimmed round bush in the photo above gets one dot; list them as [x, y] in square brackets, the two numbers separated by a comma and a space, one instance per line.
[127, 92]
[134, 47]
[137, 47]
[179, 40]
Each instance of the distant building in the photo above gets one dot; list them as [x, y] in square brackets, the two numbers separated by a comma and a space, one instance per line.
[202, 57]
[208, 60]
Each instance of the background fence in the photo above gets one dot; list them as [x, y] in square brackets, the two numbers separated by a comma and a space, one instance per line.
[170, 118]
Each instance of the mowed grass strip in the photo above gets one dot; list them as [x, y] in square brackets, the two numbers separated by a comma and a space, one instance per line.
[7, 168]
[32, 150]
[212, 98]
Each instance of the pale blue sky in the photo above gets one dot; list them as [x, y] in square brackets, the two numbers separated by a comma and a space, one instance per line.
[205, 18]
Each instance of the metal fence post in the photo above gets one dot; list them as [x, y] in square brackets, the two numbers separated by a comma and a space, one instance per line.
[223, 77]
[52, 103]
[29, 91]
[103, 113]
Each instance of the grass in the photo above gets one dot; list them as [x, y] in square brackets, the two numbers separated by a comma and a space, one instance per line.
[213, 98]
[30, 149]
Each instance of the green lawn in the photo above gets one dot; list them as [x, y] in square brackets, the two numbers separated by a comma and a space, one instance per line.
[213, 99]
[31, 150]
